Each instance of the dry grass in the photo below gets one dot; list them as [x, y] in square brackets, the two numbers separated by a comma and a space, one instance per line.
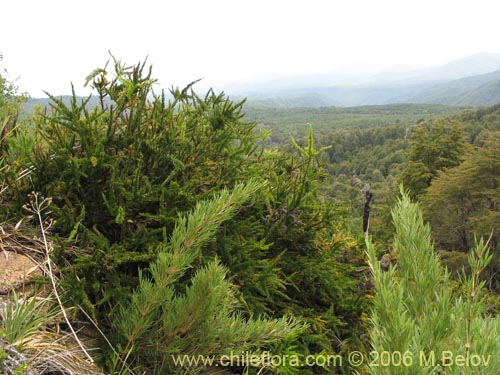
[45, 349]
[56, 353]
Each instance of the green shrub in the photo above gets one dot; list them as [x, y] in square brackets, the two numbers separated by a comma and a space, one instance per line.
[120, 174]
[416, 319]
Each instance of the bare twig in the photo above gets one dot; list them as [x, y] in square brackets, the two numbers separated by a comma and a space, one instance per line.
[37, 208]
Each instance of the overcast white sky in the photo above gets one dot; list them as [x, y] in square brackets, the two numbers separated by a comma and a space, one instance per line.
[50, 43]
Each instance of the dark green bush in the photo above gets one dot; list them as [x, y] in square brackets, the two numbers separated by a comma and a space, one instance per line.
[120, 174]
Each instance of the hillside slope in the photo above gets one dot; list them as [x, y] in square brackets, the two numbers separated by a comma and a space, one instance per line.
[464, 82]
[477, 90]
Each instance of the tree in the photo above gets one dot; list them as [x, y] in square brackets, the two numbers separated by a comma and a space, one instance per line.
[463, 202]
[434, 147]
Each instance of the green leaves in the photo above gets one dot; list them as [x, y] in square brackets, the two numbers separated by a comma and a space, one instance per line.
[413, 308]
[23, 318]
[197, 321]
[170, 206]
[433, 148]
[192, 232]
[464, 200]
[307, 171]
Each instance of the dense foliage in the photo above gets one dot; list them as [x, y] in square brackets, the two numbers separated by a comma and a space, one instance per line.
[434, 147]
[416, 320]
[285, 121]
[11, 126]
[182, 227]
[120, 174]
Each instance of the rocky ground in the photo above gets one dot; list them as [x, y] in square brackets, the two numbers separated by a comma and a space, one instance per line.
[16, 271]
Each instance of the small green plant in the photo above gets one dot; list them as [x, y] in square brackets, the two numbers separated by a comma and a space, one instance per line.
[21, 369]
[24, 317]
[204, 319]
[415, 318]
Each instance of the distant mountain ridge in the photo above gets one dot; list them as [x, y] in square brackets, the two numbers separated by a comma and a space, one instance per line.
[32, 103]
[471, 81]
[477, 64]
[480, 90]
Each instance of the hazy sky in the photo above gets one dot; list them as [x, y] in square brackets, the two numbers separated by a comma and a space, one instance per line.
[50, 43]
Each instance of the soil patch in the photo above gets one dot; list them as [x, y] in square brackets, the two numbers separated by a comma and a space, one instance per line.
[15, 271]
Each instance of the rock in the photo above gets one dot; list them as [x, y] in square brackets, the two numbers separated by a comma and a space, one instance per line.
[13, 360]
[385, 262]
[17, 269]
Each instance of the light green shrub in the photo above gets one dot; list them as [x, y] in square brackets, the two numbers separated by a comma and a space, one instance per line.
[417, 326]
